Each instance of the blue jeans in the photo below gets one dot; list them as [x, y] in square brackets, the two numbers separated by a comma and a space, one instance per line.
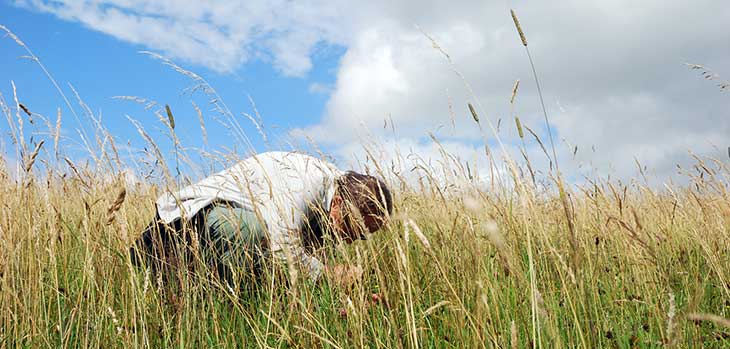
[236, 243]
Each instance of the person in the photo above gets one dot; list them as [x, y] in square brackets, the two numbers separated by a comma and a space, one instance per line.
[271, 207]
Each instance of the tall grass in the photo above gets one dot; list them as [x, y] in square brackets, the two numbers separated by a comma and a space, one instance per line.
[462, 264]
[649, 260]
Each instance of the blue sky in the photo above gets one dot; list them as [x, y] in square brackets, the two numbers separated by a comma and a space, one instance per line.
[613, 73]
[101, 67]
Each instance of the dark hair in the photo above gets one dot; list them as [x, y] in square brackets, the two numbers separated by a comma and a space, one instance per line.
[368, 193]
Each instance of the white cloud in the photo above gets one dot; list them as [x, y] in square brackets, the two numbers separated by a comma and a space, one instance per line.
[221, 35]
[319, 88]
[615, 66]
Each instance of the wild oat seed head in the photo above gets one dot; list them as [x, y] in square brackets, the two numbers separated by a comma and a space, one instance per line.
[514, 92]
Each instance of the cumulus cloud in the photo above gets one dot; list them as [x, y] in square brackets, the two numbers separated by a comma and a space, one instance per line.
[612, 71]
[221, 35]
[613, 74]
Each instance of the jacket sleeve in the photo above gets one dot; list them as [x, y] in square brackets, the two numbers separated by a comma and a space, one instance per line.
[294, 195]
[287, 247]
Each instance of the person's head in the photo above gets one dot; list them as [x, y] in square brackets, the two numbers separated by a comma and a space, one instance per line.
[361, 205]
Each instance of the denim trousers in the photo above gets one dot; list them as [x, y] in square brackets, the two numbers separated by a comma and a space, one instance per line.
[235, 242]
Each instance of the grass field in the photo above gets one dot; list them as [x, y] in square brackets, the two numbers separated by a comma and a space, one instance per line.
[603, 265]
[520, 262]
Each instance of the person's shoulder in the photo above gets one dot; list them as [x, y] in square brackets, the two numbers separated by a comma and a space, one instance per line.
[302, 163]
[289, 157]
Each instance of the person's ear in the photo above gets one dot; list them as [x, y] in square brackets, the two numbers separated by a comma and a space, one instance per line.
[336, 202]
[335, 212]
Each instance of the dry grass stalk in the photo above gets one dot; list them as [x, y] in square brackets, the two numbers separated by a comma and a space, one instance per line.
[539, 142]
[112, 144]
[31, 159]
[215, 99]
[34, 58]
[21, 134]
[709, 75]
[716, 319]
[435, 307]
[513, 335]
[435, 44]
[671, 313]
[419, 233]
[201, 121]
[635, 236]
[503, 253]
[57, 132]
[452, 114]
[570, 219]
[258, 122]
[77, 172]
[115, 206]
[155, 148]
[539, 93]
[257, 125]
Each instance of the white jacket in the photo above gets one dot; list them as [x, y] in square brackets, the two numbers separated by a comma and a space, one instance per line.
[280, 187]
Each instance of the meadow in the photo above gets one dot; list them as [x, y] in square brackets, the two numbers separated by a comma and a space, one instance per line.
[515, 258]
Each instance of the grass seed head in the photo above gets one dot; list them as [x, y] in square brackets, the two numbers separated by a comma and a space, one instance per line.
[519, 127]
[473, 113]
[514, 92]
[32, 157]
[519, 28]
[25, 109]
[116, 206]
[170, 118]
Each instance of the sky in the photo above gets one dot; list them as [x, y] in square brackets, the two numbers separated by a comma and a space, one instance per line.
[614, 76]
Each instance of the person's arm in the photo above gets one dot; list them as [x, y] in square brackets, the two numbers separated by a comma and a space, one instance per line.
[309, 183]
[310, 264]
[287, 247]
[343, 275]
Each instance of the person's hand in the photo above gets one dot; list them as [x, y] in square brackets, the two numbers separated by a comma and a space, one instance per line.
[344, 275]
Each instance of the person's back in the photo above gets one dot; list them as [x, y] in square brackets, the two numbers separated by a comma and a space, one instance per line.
[265, 183]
